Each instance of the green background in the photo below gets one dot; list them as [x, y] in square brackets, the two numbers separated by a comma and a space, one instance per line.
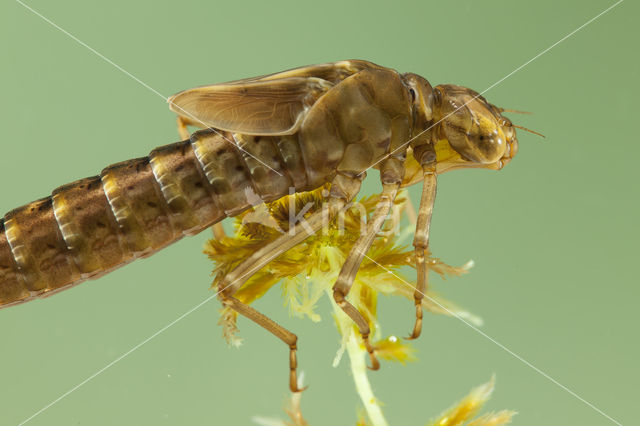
[554, 235]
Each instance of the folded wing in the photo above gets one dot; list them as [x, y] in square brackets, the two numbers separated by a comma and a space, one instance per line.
[268, 105]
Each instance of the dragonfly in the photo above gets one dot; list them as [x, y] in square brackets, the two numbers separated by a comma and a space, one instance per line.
[261, 138]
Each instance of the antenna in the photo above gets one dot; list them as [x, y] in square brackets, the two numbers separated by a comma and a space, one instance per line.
[517, 111]
[528, 130]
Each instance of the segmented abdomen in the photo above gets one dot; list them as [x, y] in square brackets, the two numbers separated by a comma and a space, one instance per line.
[134, 208]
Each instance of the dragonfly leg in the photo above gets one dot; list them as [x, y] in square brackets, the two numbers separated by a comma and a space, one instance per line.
[183, 122]
[343, 189]
[274, 328]
[218, 231]
[421, 238]
[392, 177]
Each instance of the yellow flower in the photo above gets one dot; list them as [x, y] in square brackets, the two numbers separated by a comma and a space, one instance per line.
[393, 349]
[308, 271]
[469, 406]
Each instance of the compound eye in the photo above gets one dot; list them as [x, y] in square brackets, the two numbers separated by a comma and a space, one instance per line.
[480, 147]
[490, 148]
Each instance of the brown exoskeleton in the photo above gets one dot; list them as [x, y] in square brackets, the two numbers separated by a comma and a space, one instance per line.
[299, 129]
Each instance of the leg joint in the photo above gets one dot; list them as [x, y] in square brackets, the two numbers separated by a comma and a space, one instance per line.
[420, 245]
[338, 296]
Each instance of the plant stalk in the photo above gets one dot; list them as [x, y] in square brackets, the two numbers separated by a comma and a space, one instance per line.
[359, 370]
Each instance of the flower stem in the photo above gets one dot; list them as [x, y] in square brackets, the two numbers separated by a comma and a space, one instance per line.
[359, 371]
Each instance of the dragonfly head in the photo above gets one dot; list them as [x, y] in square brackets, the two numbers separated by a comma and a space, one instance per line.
[469, 131]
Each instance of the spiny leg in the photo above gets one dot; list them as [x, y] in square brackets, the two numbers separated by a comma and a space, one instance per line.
[183, 122]
[274, 328]
[391, 174]
[343, 189]
[421, 238]
[234, 280]
[350, 268]
[218, 231]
